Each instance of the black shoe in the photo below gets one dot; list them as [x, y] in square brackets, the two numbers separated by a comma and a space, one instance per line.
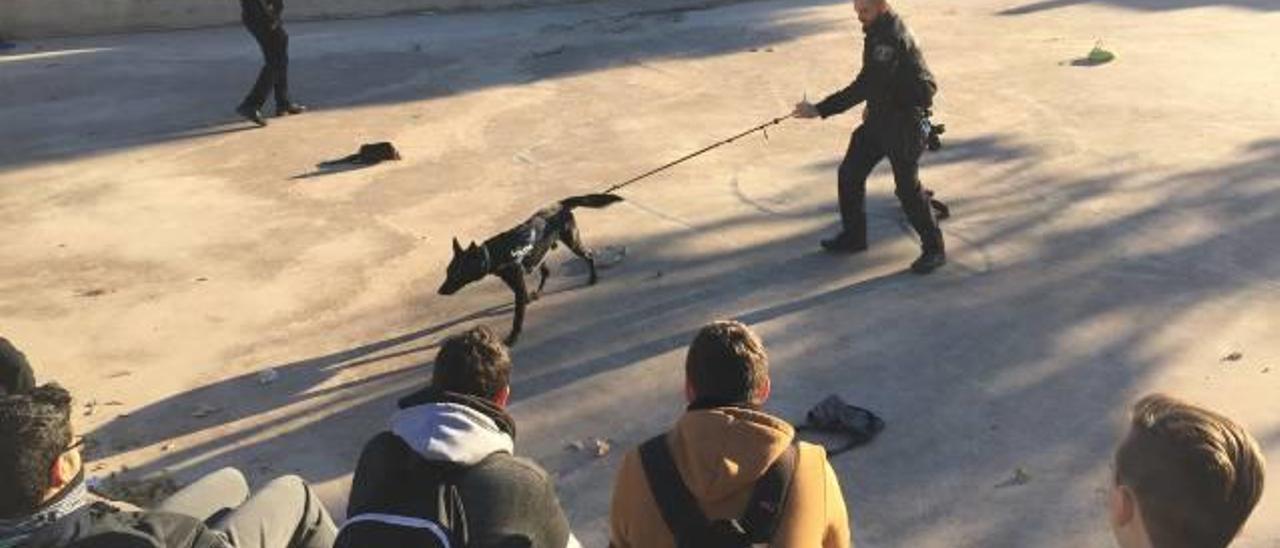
[929, 261]
[285, 109]
[843, 244]
[251, 114]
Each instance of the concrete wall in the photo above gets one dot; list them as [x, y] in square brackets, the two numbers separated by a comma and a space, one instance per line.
[25, 19]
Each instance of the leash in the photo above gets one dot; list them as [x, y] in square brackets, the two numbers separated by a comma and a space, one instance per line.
[718, 144]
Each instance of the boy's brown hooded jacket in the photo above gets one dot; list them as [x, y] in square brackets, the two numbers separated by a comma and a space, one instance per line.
[721, 453]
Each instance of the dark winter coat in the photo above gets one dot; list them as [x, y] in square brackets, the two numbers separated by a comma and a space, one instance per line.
[508, 500]
[894, 75]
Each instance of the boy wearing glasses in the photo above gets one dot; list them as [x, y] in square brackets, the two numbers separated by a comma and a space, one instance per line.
[44, 501]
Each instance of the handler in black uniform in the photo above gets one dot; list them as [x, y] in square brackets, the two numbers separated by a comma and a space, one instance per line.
[898, 88]
[262, 18]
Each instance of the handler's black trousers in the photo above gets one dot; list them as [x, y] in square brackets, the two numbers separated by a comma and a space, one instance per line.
[275, 70]
[895, 135]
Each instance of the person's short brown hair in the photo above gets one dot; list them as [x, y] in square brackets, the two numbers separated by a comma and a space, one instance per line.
[474, 362]
[1196, 474]
[726, 363]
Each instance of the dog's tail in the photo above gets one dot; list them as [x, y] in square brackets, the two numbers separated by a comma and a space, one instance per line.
[591, 200]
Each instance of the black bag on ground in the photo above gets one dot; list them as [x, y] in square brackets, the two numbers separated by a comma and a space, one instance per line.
[684, 517]
[368, 155]
[834, 415]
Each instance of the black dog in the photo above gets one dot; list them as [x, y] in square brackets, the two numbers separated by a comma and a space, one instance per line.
[518, 251]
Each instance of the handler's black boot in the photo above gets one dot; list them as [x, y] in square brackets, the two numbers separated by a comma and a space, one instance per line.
[934, 255]
[929, 261]
[844, 243]
[251, 114]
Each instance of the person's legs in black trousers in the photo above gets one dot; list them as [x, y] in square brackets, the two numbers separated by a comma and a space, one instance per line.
[274, 75]
[907, 144]
[284, 102]
[251, 107]
[282, 70]
[861, 158]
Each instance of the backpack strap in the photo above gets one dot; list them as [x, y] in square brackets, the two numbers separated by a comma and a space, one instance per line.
[769, 497]
[445, 508]
[678, 507]
[402, 521]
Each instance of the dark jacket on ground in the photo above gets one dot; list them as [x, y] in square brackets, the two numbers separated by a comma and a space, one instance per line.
[894, 75]
[100, 525]
[509, 501]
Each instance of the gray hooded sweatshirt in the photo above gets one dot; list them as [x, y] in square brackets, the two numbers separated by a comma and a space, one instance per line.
[509, 501]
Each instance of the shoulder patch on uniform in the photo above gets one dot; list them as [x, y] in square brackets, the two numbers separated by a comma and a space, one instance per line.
[883, 53]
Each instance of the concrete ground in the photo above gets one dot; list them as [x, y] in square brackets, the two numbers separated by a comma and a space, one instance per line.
[1114, 234]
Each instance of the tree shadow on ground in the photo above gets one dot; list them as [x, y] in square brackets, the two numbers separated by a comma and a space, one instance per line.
[995, 364]
[143, 95]
[314, 384]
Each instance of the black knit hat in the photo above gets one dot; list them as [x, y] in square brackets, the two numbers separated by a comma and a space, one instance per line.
[16, 375]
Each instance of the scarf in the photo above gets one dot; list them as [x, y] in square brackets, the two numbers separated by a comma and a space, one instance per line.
[74, 497]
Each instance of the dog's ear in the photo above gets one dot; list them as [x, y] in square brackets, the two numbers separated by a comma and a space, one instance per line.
[473, 247]
[457, 249]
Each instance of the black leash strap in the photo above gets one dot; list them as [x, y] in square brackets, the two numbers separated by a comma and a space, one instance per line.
[691, 156]
[679, 507]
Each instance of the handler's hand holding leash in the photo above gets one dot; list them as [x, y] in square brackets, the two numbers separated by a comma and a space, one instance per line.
[805, 110]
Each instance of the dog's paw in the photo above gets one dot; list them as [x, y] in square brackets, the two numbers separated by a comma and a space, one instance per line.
[511, 339]
[533, 296]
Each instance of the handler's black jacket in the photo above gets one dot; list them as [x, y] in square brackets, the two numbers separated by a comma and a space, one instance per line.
[894, 76]
[261, 12]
